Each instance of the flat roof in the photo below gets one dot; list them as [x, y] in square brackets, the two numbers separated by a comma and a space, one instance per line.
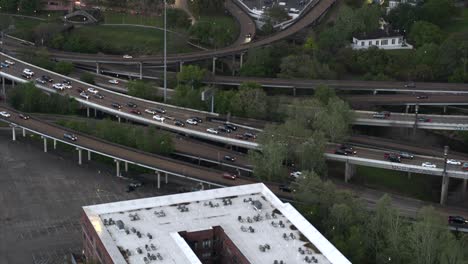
[160, 219]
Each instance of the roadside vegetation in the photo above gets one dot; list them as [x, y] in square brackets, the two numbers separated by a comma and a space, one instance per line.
[41, 58]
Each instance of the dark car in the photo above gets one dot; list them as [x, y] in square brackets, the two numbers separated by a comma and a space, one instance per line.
[240, 136]
[424, 119]
[224, 129]
[132, 105]
[179, 123]
[422, 97]
[285, 188]
[79, 90]
[116, 105]
[130, 188]
[394, 158]
[229, 158]
[406, 155]
[70, 137]
[47, 78]
[4, 65]
[249, 135]
[135, 111]
[196, 118]
[98, 95]
[230, 126]
[341, 152]
[229, 176]
[457, 220]
[41, 81]
[160, 110]
[23, 116]
[465, 166]
[66, 81]
[379, 116]
[348, 149]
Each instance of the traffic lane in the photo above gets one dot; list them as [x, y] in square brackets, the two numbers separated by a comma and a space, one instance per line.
[446, 119]
[379, 155]
[110, 98]
[395, 99]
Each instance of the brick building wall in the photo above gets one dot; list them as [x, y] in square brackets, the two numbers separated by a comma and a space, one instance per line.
[92, 244]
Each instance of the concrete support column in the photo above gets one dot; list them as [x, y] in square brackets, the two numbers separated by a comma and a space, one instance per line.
[464, 185]
[126, 166]
[294, 91]
[375, 92]
[181, 66]
[117, 167]
[95, 113]
[407, 108]
[416, 111]
[13, 133]
[444, 191]
[45, 144]
[213, 70]
[12, 84]
[233, 63]
[87, 112]
[409, 175]
[350, 170]
[159, 179]
[24, 132]
[445, 109]
[89, 155]
[3, 85]
[98, 68]
[166, 177]
[80, 156]
[55, 144]
[141, 70]
[241, 63]
[118, 118]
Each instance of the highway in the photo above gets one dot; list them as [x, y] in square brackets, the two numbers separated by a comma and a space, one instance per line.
[406, 99]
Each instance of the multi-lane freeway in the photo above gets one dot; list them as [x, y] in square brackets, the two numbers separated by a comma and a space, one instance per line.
[407, 99]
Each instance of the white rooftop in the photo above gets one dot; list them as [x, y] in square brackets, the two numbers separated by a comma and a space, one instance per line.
[162, 218]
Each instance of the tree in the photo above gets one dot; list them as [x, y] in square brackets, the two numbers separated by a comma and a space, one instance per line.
[423, 32]
[438, 12]
[324, 93]
[276, 14]
[30, 6]
[178, 18]
[191, 75]
[140, 89]
[87, 78]
[403, 16]
[63, 67]
[261, 62]
[250, 101]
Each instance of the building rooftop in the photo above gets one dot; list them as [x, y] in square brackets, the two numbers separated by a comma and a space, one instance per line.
[380, 33]
[251, 216]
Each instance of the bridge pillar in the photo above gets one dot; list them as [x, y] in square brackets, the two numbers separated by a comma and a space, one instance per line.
[118, 118]
[241, 63]
[375, 92]
[126, 166]
[13, 133]
[168, 181]
[350, 170]
[416, 111]
[464, 185]
[45, 144]
[117, 168]
[213, 70]
[89, 155]
[159, 179]
[233, 63]
[294, 91]
[141, 70]
[445, 109]
[24, 132]
[407, 108]
[3, 86]
[55, 144]
[98, 68]
[181, 66]
[444, 191]
[95, 113]
[80, 159]
[12, 84]
[87, 112]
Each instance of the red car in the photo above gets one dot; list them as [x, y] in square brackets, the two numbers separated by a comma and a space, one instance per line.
[229, 176]
[135, 111]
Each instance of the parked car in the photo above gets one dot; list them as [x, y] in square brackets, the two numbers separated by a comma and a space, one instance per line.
[132, 105]
[26, 76]
[456, 219]
[406, 155]
[114, 81]
[79, 90]
[190, 121]
[453, 162]
[116, 105]
[159, 118]
[428, 165]
[24, 116]
[388, 154]
[229, 158]
[135, 111]
[5, 114]
[212, 131]
[179, 123]
[229, 176]
[240, 136]
[70, 137]
[92, 90]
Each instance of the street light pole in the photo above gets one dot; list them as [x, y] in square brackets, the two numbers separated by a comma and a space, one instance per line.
[445, 179]
[165, 53]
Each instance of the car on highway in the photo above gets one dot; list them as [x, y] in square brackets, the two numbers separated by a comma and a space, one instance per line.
[126, 56]
[229, 176]
[84, 95]
[159, 118]
[179, 123]
[379, 116]
[456, 219]
[191, 121]
[150, 111]
[169, 117]
[132, 105]
[160, 110]
[99, 96]
[10, 62]
[116, 105]
[249, 135]
[231, 126]
[422, 97]
[66, 81]
[224, 129]
[229, 158]
[196, 118]
[79, 90]
[135, 111]
[392, 157]
[212, 130]
[239, 136]
[23, 116]
[5, 114]
[465, 166]
[28, 72]
[47, 78]
[295, 174]
[58, 86]
[113, 81]
[92, 90]
[406, 155]
[453, 162]
[70, 137]
[410, 85]
[348, 149]
[428, 165]
[40, 80]
[4, 65]
[341, 152]
[424, 119]
[26, 76]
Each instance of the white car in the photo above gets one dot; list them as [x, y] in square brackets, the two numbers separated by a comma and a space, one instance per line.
[453, 162]
[113, 81]
[126, 56]
[158, 118]
[4, 114]
[295, 174]
[66, 86]
[84, 95]
[428, 165]
[212, 131]
[58, 86]
[150, 111]
[28, 72]
[191, 121]
[10, 62]
[92, 90]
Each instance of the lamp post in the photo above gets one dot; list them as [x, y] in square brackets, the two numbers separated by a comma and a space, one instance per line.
[165, 52]
[445, 179]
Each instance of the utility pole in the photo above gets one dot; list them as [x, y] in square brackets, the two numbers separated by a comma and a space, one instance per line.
[445, 179]
[165, 52]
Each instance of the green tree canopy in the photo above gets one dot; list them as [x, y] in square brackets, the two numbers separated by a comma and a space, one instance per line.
[423, 32]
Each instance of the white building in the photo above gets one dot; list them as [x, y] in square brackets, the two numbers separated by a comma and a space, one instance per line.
[242, 224]
[382, 39]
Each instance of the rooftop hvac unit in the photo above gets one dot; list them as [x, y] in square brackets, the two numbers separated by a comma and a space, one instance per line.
[120, 224]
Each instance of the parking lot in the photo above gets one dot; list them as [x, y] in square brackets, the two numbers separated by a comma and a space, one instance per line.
[41, 195]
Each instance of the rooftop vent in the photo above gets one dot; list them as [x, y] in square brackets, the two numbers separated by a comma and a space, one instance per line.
[160, 213]
[120, 224]
[134, 217]
[257, 205]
